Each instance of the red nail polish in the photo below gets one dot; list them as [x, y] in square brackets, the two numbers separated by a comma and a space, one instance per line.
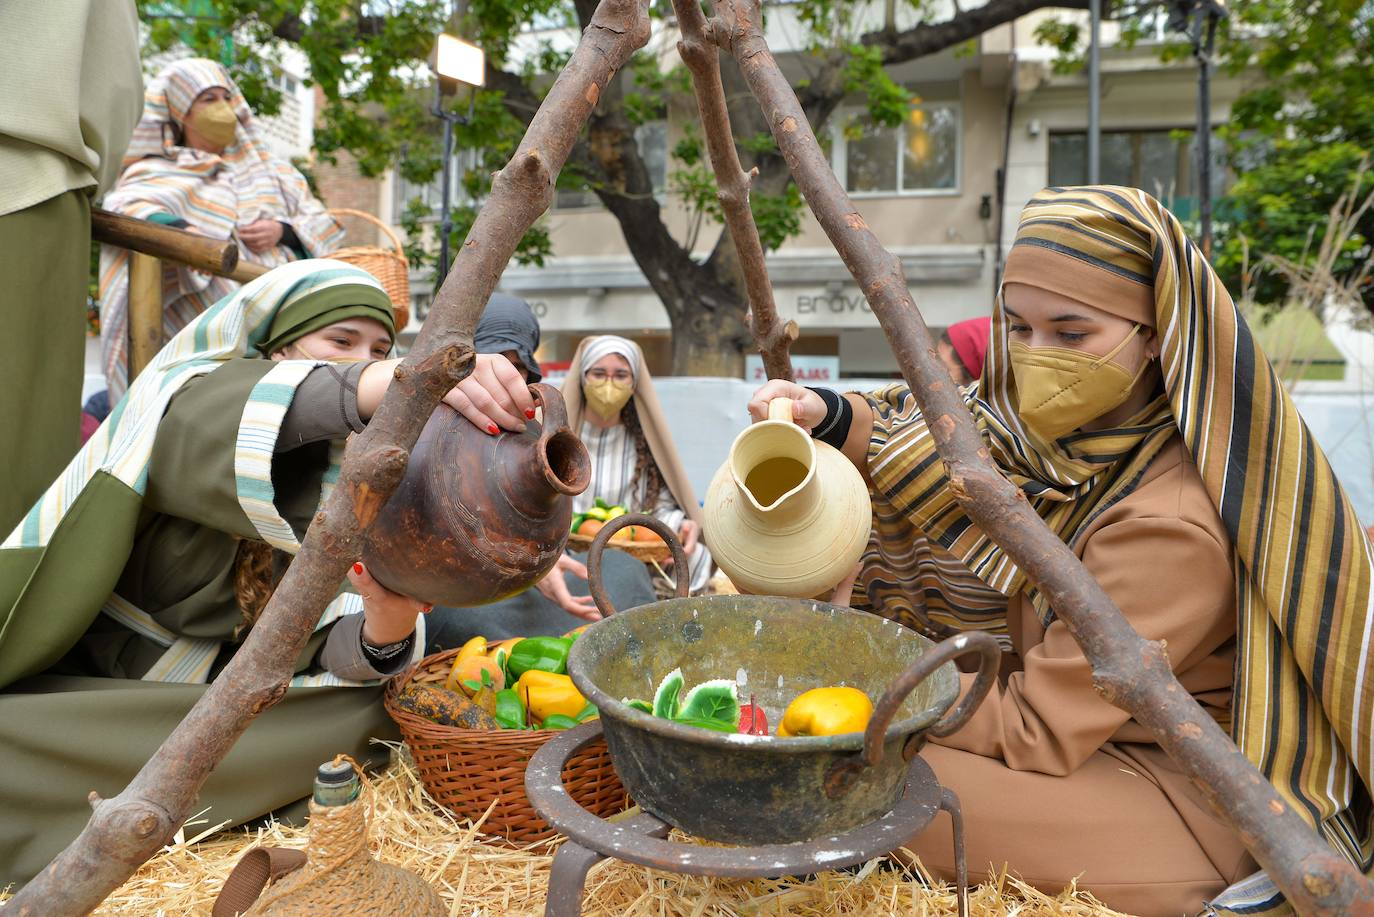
[358, 569]
[530, 414]
[493, 429]
[428, 608]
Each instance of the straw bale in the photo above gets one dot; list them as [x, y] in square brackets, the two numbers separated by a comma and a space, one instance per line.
[486, 880]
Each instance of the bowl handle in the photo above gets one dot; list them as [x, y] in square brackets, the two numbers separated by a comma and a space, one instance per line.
[680, 566]
[843, 774]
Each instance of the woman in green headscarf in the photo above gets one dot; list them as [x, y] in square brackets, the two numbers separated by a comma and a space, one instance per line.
[133, 581]
[1126, 397]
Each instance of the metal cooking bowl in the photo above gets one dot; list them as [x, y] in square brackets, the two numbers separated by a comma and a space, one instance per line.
[753, 789]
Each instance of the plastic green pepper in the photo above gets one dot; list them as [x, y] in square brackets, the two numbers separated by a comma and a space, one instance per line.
[558, 721]
[510, 710]
[545, 654]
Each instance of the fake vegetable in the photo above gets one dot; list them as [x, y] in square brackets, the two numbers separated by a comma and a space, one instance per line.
[510, 710]
[826, 712]
[448, 708]
[558, 721]
[710, 705]
[548, 693]
[601, 512]
[474, 673]
[544, 654]
[752, 720]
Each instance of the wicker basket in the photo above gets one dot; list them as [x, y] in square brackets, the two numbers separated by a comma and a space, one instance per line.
[388, 266]
[646, 551]
[465, 769]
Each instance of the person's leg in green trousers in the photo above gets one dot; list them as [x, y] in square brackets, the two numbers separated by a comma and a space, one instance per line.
[44, 270]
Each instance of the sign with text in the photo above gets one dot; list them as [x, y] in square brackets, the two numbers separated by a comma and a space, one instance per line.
[809, 370]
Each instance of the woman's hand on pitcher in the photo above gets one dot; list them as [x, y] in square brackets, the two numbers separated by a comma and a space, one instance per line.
[808, 409]
[494, 397]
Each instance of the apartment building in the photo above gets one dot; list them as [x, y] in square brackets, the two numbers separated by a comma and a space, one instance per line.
[932, 189]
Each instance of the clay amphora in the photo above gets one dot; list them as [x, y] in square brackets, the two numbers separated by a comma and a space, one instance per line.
[786, 515]
[479, 518]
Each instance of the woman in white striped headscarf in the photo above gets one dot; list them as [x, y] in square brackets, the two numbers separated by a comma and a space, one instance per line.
[614, 409]
[197, 162]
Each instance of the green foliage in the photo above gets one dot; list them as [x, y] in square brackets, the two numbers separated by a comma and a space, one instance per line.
[778, 216]
[1067, 39]
[1297, 138]
[1280, 208]
[1296, 135]
[888, 103]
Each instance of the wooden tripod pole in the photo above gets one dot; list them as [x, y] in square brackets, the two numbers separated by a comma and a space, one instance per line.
[126, 830]
[1129, 671]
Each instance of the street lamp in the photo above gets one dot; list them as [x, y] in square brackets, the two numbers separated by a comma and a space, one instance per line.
[455, 61]
[1198, 19]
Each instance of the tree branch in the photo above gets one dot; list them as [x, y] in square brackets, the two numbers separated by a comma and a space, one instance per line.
[772, 336]
[1128, 671]
[127, 829]
[928, 38]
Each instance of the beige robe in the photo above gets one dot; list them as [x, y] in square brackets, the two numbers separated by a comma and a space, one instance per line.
[1059, 784]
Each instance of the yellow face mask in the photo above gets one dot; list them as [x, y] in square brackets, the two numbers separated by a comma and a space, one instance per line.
[605, 397]
[1059, 389]
[216, 122]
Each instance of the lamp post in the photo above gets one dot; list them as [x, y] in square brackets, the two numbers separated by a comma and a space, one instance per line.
[1199, 19]
[455, 61]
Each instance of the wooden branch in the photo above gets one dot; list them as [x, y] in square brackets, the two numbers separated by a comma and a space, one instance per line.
[214, 256]
[965, 25]
[127, 829]
[773, 337]
[1128, 671]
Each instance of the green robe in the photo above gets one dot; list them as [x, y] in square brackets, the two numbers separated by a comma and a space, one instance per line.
[87, 722]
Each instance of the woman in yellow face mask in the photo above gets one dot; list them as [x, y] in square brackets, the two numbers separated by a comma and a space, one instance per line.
[196, 161]
[613, 406]
[1126, 397]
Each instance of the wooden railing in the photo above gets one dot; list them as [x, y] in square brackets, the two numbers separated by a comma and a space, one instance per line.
[150, 244]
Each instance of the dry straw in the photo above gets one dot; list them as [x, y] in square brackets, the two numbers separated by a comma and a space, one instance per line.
[481, 880]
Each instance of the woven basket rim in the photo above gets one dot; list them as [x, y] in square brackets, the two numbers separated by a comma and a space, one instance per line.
[640, 550]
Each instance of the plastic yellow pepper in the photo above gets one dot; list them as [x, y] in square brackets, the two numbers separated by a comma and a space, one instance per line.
[546, 694]
[826, 712]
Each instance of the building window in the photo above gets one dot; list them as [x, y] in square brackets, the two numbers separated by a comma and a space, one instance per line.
[919, 156]
[1162, 162]
[652, 140]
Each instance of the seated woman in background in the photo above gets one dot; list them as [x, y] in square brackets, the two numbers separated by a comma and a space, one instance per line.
[560, 601]
[1129, 401]
[612, 406]
[136, 578]
[196, 162]
[963, 347]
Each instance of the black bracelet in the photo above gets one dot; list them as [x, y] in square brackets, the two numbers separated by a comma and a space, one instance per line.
[833, 429]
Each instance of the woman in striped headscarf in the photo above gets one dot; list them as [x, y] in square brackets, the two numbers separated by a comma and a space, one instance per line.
[197, 162]
[1128, 399]
[134, 580]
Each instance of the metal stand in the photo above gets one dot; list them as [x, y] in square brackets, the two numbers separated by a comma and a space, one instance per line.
[642, 839]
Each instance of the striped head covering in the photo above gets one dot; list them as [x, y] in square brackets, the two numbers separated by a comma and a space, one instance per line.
[1303, 704]
[108, 478]
[214, 193]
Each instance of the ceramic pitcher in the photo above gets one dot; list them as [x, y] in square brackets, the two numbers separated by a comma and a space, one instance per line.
[786, 515]
[478, 518]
